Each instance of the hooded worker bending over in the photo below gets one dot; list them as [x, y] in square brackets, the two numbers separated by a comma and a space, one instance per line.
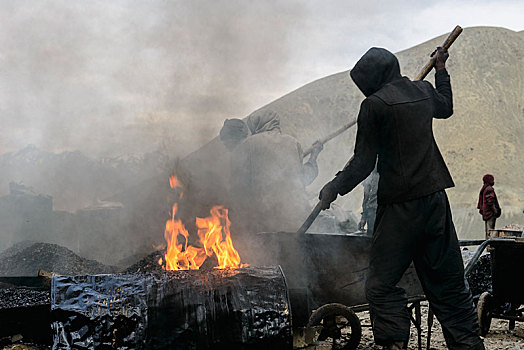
[413, 220]
[268, 177]
[233, 133]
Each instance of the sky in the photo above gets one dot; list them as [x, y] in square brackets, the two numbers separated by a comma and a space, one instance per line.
[123, 77]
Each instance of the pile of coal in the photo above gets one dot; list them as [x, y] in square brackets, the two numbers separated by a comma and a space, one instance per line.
[18, 297]
[27, 258]
[155, 262]
[147, 264]
[479, 278]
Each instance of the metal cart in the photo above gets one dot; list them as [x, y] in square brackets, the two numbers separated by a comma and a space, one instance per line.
[507, 295]
[326, 275]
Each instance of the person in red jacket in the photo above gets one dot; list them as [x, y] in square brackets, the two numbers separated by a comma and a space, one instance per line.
[488, 204]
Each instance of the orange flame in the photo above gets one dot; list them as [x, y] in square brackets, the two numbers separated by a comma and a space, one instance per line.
[214, 237]
[174, 182]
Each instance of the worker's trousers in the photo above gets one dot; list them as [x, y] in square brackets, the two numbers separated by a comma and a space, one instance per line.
[419, 231]
[489, 224]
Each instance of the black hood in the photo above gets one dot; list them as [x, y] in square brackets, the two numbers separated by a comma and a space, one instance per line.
[374, 70]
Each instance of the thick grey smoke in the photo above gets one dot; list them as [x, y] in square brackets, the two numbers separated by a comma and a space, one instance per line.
[120, 77]
[123, 77]
[113, 77]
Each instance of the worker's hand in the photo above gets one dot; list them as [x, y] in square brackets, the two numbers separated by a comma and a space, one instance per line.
[317, 148]
[441, 57]
[361, 225]
[327, 195]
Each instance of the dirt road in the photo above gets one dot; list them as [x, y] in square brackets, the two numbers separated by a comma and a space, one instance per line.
[499, 337]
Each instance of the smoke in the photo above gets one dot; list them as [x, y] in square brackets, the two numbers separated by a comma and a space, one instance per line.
[120, 77]
[109, 78]
[124, 77]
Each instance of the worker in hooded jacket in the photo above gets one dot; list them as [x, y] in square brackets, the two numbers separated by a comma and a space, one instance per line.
[268, 178]
[413, 222]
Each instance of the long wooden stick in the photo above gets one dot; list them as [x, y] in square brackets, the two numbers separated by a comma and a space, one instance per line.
[425, 71]
[332, 135]
[447, 43]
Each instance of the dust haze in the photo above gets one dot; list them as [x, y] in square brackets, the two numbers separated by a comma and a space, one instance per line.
[89, 82]
[125, 77]
[111, 78]
[84, 83]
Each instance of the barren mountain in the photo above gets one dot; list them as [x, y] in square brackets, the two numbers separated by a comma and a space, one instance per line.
[485, 135]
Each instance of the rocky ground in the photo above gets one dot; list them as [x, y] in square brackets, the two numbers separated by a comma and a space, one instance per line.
[498, 338]
[27, 258]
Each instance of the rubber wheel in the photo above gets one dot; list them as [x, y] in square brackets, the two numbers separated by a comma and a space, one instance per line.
[340, 327]
[484, 311]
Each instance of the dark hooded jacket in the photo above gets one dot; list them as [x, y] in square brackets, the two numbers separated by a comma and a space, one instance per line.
[395, 124]
[268, 179]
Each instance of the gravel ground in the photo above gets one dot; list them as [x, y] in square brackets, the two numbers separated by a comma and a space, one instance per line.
[499, 337]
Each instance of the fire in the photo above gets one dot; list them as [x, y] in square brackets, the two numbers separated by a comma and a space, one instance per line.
[174, 183]
[214, 238]
[214, 235]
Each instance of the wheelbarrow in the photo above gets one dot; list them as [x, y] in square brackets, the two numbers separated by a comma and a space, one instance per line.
[507, 294]
[325, 274]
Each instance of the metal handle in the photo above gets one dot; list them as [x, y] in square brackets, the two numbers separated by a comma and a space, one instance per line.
[307, 224]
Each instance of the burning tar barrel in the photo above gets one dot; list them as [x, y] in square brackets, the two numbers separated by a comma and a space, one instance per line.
[245, 308]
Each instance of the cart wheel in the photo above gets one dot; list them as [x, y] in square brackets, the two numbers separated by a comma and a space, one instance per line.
[340, 327]
[484, 310]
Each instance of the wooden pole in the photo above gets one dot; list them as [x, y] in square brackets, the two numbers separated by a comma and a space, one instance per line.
[447, 43]
[332, 135]
[425, 71]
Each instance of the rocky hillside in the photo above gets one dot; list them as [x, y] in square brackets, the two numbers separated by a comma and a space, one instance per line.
[485, 135]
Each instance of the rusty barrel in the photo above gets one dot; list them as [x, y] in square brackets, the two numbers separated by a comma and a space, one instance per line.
[245, 308]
